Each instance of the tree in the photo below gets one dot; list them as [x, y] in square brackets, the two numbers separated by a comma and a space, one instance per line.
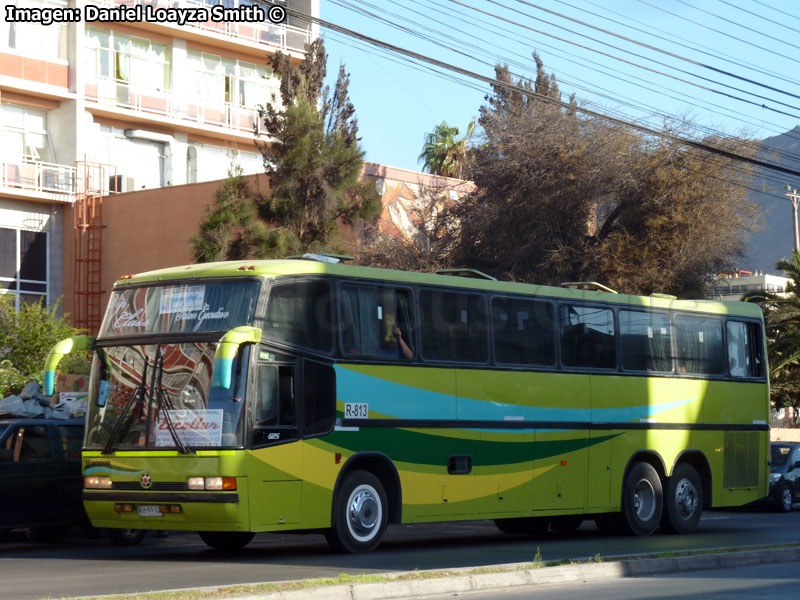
[313, 158]
[229, 229]
[25, 339]
[314, 163]
[443, 153]
[563, 197]
[428, 248]
[782, 322]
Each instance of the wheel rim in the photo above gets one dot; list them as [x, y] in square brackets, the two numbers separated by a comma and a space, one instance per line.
[786, 498]
[686, 498]
[364, 513]
[644, 500]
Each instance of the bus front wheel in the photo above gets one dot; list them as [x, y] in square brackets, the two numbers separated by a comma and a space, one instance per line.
[360, 514]
[125, 537]
[683, 503]
[642, 500]
[226, 541]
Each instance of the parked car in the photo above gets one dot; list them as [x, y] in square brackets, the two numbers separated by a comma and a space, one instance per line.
[40, 475]
[784, 482]
[41, 482]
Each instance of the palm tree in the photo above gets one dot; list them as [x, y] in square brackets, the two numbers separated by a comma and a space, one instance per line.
[443, 153]
[782, 321]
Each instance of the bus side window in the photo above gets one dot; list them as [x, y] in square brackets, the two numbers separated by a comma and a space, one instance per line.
[319, 398]
[699, 347]
[587, 337]
[744, 349]
[275, 404]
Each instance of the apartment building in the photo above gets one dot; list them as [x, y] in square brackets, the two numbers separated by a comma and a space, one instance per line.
[92, 107]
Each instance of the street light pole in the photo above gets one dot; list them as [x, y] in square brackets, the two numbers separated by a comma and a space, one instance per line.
[794, 197]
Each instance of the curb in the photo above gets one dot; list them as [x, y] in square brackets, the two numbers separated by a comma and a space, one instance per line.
[522, 574]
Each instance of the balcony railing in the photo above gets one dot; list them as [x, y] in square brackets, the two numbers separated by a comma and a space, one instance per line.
[38, 177]
[275, 36]
[114, 93]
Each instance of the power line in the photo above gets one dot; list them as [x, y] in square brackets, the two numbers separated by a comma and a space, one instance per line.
[660, 50]
[738, 39]
[546, 99]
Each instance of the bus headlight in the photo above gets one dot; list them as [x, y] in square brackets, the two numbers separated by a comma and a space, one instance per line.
[196, 483]
[96, 483]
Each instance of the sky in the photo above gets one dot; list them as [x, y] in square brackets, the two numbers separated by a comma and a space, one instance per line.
[731, 66]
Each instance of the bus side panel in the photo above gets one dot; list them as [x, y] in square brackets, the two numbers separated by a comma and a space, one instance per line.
[418, 393]
[741, 472]
[645, 403]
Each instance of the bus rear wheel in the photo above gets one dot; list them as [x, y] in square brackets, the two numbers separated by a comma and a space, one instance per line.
[226, 541]
[360, 514]
[524, 525]
[683, 503]
[642, 500]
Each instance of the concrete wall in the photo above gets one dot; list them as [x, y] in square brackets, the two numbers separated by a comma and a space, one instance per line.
[784, 435]
[150, 229]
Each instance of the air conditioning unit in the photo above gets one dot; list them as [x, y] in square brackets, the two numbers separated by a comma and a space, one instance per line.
[120, 183]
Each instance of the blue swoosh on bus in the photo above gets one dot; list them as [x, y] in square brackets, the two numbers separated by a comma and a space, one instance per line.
[407, 402]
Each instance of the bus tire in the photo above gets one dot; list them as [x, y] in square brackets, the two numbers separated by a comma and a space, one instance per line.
[360, 514]
[226, 541]
[566, 523]
[683, 502]
[125, 537]
[642, 500]
[524, 525]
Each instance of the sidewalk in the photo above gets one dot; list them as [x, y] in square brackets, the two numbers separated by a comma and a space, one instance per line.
[454, 581]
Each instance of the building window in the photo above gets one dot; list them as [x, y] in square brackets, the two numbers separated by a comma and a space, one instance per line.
[23, 265]
[219, 80]
[34, 39]
[127, 59]
[23, 135]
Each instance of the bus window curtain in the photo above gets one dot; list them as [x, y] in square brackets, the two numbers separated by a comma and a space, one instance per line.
[660, 359]
[361, 335]
[404, 318]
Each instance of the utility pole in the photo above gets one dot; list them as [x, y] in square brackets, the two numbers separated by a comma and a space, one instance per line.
[794, 197]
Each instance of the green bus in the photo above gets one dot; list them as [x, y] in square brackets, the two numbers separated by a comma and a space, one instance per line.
[287, 395]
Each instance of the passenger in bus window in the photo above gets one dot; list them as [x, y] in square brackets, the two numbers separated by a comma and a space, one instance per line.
[403, 350]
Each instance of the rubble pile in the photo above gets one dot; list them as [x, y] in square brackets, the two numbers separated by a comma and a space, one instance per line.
[32, 404]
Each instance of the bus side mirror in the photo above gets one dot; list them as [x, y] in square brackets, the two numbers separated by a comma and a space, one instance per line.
[59, 351]
[226, 351]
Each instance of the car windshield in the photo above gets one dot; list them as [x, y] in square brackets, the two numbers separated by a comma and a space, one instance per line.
[780, 454]
[160, 396]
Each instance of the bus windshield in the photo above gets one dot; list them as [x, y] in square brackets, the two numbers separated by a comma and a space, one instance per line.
[160, 396]
[194, 307]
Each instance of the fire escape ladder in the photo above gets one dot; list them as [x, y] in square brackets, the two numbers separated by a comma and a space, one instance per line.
[87, 221]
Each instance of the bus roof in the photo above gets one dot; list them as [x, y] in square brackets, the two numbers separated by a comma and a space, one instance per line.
[278, 268]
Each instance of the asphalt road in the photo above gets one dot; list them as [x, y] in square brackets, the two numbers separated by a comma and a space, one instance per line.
[774, 582]
[86, 566]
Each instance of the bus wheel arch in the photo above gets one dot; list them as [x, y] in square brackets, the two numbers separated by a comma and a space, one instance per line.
[384, 469]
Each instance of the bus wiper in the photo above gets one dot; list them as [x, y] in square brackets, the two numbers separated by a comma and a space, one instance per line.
[164, 402]
[140, 393]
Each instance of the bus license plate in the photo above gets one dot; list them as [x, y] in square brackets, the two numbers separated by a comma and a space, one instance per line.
[149, 510]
